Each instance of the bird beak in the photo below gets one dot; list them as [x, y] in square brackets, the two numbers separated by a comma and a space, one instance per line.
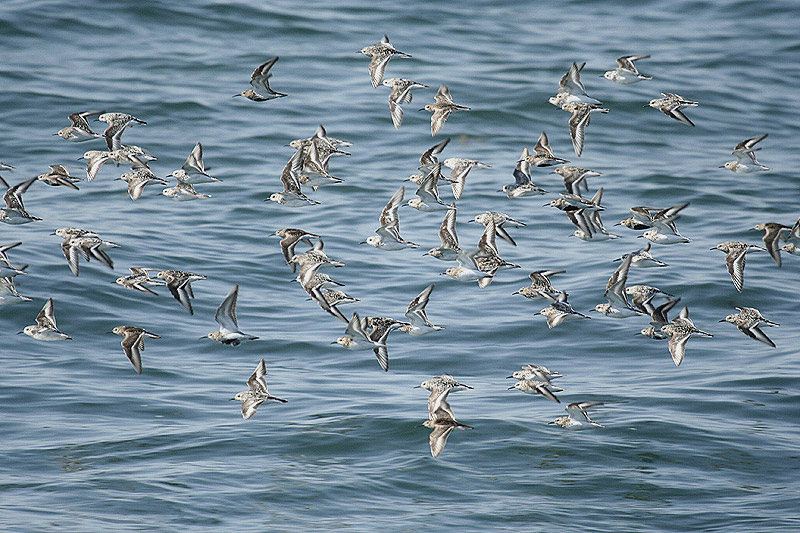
[512, 294]
[511, 388]
[723, 320]
[231, 399]
[20, 332]
[638, 333]
[417, 386]
[639, 236]
[507, 377]
[422, 109]
[618, 224]
[334, 342]
[721, 166]
[363, 242]
[235, 95]
[500, 190]
[426, 253]
[203, 337]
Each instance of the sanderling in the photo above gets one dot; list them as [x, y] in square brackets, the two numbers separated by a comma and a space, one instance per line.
[401, 94]
[229, 332]
[428, 159]
[535, 387]
[117, 122]
[643, 259]
[59, 175]
[138, 280]
[458, 176]
[388, 234]
[580, 118]
[183, 192]
[419, 323]
[488, 259]
[467, 269]
[773, 233]
[671, 106]
[135, 155]
[179, 283]
[14, 211]
[90, 245]
[133, 343]
[543, 154]
[315, 255]
[577, 417]
[94, 160]
[449, 249]
[679, 331]
[537, 373]
[578, 201]
[380, 54]
[575, 177]
[259, 80]
[559, 311]
[663, 220]
[45, 328]
[5, 166]
[380, 327]
[193, 170]
[571, 89]
[540, 286]
[626, 72]
[441, 108]
[522, 186]
[137, 178]
[746, 161]
[480, 263]
[322, 139]
[618, 305]
[658, 318]
[9, 294]
[79, 129]
[291, 195]
[355, 338]
[257, 392]
[499, 220]
[642, 296]
[747, 320]
[443, 382]
[735, 259]
[442, 423]
[657, 237]
[313, 285]
[7, 270]
[590, 226]
[428, 193]
[337, 297]
[314, 170]
[289, 239]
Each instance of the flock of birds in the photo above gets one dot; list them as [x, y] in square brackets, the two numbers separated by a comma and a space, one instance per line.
[309, 167]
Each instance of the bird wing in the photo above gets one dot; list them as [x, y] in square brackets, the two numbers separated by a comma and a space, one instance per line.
[389, 216]
[443, 95]
[130, 345]
[226, 312]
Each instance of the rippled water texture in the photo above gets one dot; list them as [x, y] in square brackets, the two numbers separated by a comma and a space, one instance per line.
[87, 444]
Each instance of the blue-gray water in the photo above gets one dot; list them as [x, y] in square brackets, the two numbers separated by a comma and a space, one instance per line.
[87, 444]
